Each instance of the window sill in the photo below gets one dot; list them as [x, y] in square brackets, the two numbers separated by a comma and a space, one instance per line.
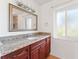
[68, 39]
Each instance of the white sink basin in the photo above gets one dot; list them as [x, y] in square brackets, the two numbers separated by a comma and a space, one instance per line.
[32, 38]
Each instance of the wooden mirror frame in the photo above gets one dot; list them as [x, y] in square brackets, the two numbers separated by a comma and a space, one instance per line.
[22, 9]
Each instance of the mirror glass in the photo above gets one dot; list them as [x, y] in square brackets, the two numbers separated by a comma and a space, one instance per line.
[21, 20]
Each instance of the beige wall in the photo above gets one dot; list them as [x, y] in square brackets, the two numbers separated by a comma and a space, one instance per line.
[64, 48]
[47, 13]
[4, 16]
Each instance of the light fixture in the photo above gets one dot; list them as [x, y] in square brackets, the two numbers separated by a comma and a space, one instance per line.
[28, 8]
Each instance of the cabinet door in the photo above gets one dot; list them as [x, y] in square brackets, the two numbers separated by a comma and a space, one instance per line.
[48, 42]
[35, 54]
[42, 50]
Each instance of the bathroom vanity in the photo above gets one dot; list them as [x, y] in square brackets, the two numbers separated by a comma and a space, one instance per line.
[32, 46]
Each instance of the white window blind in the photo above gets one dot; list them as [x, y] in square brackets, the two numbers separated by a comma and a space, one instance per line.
[66, 23]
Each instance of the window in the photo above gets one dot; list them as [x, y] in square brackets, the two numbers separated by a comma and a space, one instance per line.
[60, 24]
[72, 23]
[66, 23]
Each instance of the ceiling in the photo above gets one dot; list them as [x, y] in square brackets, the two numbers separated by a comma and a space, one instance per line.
[41, 2]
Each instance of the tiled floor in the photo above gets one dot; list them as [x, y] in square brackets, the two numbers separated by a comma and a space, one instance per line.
[52, 57]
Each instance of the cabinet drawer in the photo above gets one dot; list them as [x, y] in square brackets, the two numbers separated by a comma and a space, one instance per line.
[22, 55]
[34, 45]
[18, 54]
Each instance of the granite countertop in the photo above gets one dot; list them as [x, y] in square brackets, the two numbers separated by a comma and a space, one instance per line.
[10, 44]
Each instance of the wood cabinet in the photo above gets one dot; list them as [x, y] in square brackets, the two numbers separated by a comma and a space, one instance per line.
[37, 50]
[48, 45]
[35, 54]
[42, 50]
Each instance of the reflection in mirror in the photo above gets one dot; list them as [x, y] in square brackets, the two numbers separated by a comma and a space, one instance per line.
[21, 20]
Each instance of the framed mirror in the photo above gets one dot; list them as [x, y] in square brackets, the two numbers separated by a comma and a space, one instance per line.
[21, 20]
